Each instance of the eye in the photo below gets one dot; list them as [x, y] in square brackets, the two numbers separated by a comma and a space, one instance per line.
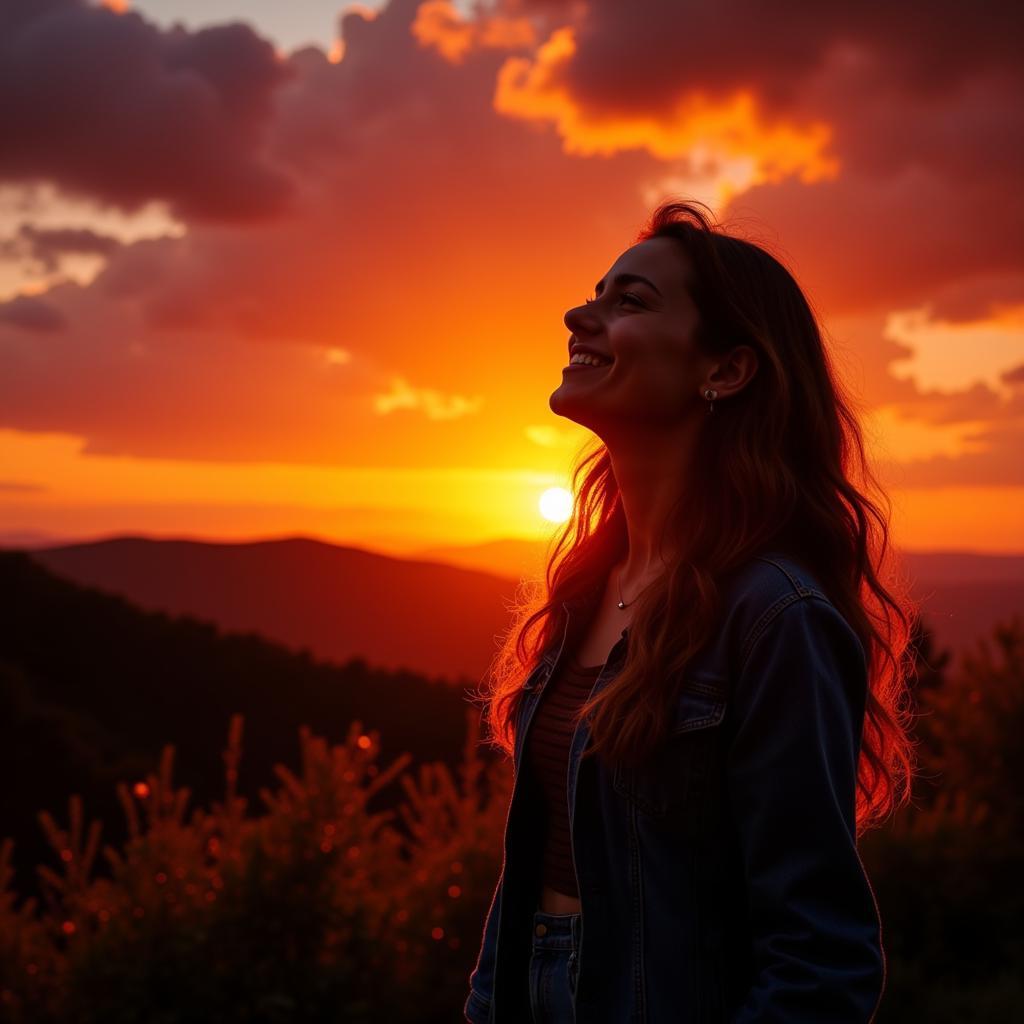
[626, 296]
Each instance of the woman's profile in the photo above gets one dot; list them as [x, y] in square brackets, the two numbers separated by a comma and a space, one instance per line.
[704, 706]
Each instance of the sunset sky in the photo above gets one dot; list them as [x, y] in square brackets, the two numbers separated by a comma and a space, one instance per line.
[300, 268]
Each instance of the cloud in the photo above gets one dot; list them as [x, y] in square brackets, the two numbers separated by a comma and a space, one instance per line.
[435, 405]
[32, 314]
[640, 58]
[22, 487]
[106, 104]
[439, 24]
[45, 246]
[730, 126]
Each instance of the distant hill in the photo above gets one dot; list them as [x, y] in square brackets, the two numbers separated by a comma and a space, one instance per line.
[340, 602]
[963, 593]
[439, 611]
[91, 688]
[30, 538]
[510, 557]
[958, 567]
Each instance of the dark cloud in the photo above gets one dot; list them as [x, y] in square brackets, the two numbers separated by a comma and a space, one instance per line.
[32, 314]
[863, 244]
[110, 106]
[641, 57]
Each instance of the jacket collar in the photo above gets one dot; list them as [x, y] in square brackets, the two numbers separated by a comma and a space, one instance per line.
[573, 608]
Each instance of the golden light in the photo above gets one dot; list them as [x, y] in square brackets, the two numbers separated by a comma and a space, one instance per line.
[556, 504]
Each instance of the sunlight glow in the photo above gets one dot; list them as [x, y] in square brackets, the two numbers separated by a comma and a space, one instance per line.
[556, 504]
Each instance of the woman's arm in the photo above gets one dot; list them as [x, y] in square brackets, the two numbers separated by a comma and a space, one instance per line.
[791, 771]
[477, 1008]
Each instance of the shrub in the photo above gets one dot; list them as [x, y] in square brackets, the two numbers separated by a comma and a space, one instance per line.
[317, 909]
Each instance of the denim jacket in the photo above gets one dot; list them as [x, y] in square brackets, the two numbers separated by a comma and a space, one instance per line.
[725, 884]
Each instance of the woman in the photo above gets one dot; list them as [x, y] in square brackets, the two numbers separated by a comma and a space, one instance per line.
[714, 709]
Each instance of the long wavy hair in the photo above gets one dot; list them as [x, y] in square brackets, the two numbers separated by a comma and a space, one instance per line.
[782, 467]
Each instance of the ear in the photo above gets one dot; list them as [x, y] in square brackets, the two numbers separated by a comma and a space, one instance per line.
[734, 372]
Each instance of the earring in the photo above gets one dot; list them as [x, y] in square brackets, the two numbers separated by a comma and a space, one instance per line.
[710, 394]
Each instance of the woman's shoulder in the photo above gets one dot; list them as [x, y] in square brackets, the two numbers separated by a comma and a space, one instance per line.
[772, 577]
[758, 593]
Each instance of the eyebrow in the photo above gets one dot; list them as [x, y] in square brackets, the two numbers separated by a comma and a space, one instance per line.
[628, 279]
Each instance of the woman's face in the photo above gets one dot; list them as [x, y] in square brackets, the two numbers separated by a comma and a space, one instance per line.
[643, 319]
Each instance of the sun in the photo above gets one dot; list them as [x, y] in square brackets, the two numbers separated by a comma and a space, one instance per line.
[556, 504]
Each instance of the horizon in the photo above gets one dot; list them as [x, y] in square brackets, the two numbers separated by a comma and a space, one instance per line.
[410, 550]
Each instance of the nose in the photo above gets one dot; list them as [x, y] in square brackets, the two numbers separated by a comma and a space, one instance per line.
[580, 320]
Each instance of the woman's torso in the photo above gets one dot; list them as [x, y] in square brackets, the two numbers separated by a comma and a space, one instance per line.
[600, 635]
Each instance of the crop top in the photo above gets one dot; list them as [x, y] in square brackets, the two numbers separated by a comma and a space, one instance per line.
[548, 754]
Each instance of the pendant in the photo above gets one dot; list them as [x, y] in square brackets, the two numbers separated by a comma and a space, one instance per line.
[621, 605]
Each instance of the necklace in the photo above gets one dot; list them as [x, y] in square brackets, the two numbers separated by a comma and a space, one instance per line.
[618, 583]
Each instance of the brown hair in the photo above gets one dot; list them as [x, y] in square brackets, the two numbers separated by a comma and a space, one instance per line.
[776, 471]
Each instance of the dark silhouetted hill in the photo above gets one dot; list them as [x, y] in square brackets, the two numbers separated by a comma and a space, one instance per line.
[440, 612]
[91, 688]
[340, 602]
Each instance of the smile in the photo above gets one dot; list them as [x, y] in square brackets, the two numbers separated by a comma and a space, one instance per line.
[579, 367]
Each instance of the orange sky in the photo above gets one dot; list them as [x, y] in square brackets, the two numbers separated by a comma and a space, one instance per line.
[246, 291]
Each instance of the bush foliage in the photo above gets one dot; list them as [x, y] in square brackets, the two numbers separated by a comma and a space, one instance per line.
[317, 909]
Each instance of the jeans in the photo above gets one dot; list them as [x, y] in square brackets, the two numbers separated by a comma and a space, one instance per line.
[553, 967]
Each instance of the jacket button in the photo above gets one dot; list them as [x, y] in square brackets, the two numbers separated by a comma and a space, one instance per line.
[542, 929]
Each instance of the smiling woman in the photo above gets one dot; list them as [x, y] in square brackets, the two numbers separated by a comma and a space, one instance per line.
[704, 711]
[647, 335]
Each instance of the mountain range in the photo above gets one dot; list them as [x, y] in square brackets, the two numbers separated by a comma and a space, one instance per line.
[440, 612]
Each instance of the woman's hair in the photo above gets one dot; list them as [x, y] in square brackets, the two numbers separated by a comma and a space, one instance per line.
[773, 471]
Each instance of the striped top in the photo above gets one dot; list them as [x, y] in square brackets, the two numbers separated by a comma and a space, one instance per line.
[547, 743]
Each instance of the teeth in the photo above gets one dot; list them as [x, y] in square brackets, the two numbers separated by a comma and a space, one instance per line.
[583, 357]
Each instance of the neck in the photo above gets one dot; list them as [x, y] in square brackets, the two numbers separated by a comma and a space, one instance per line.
[653, 481]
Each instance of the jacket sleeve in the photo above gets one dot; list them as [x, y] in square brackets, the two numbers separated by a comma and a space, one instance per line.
[799, 703]
[477, 1009]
